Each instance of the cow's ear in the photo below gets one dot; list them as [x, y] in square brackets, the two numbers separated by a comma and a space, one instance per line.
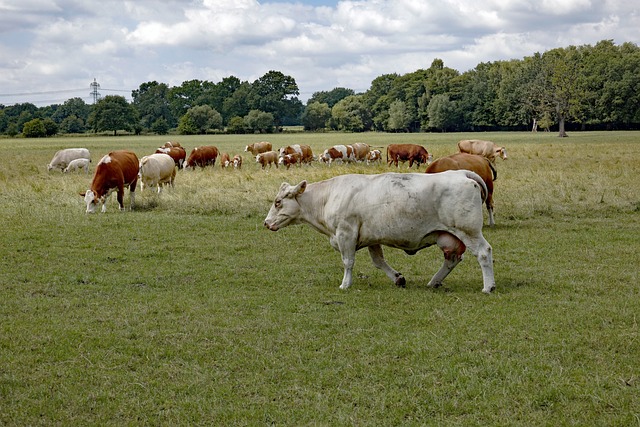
[82, 194]
[300, 188]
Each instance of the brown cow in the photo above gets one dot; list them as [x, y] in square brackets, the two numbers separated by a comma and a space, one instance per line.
[290, 159]
[114, 171]
[268, 158]
[258, 147]
[360, 151]
[202, 156]
[411, 152]
[474, 163]
[177, 153]
[237, 161]
[170, 144]
[487, 149]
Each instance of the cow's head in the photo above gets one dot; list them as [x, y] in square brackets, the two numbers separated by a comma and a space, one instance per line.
[90, 200]
[285, 209]
[502, 152]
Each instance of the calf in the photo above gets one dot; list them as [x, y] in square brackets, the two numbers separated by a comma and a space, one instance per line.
[408, 211]
[114, 171]
[76, 164]
[290, 159]
[471, 162]
[237, 161]
[202, 156]
[304, 151]
[225, 160]
[62, 158]
[487, 149]
[374, 156]
[157, 169]
[268, 158]
[411, 152]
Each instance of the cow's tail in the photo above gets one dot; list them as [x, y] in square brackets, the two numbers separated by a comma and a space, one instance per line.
[474, 176]
[493, 170]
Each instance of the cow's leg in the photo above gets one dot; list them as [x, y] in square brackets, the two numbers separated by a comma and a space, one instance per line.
[377, 257]
[479, 246]
[132, 193]
[345, 242]
[489, 204]
[452, 248]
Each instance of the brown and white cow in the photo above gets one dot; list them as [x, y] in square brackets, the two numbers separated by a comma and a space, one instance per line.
[258, 147]
[343, 153]
[177, 153]
[170, 144]
[487, 149]
[202, 156]
[225, 160]
[268, 158]
[63, 157]
[155, 170]
[407, 152]
[290, 159]
[360, 151]
[304, 151]
[374, 156]
[237, 161]
[114, 171]
[408, 211]
[471, 162]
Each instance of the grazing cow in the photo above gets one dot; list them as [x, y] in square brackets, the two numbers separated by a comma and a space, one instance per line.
[76, 164]
[170, 144]
[268, 158]
[408, 211]
[114, 171]
[305, 152]
[374, 156]
[290, 159]
[225, 160]
[62, 158]
[411, 152]
[237, 161]
[360, 151]
[471, 162]
[157, 169]
[343, 153]
[202, 156]
[178, 154]
[258, 147]
[487, 149]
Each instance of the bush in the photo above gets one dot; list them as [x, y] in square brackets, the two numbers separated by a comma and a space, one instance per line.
[34, 129]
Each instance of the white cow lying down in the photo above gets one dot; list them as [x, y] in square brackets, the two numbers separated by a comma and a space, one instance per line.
[408, 211]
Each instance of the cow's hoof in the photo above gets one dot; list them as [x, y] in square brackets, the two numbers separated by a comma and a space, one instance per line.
[489, 290]
[400, 281]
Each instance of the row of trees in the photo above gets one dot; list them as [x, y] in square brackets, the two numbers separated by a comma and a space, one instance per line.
[584, 87]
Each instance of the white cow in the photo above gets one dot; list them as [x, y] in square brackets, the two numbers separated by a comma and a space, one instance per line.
[488, 149]
[76, 164]
[408, 211]
[62, 158]
[157, 169]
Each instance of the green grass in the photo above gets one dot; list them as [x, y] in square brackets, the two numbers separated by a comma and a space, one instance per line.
[187, 311]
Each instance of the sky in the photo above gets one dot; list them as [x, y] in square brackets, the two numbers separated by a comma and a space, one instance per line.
[52, 50]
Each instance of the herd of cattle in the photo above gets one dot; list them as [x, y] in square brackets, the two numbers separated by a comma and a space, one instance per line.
[409, 211]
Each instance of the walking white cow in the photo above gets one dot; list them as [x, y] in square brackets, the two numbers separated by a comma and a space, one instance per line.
[157, 169]
[407, 211]
[62, 158]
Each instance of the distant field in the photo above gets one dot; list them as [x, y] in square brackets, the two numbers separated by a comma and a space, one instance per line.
[187, 311]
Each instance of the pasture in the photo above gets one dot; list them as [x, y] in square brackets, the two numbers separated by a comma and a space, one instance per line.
[187, 311]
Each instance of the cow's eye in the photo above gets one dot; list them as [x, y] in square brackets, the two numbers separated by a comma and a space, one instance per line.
[277, 203]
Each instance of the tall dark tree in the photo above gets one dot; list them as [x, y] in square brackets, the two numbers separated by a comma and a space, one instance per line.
[276, 93]
[331, 97]
[151, 100]
[112, 113]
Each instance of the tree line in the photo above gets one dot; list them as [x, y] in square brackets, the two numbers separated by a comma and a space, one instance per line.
[577, 87]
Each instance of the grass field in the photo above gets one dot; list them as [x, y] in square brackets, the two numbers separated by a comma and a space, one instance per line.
[187, 311]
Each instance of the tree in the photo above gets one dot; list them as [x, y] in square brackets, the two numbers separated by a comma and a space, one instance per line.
[316, 116]
[275, 93]
[72, 124]
[72, 107]
[441, 112]
[351, 114]
[151, 101]
[112, 113]
[236, 125]
[331, 97]
[398, 117]
[259, 121]
[34, 129]
[198, 120]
